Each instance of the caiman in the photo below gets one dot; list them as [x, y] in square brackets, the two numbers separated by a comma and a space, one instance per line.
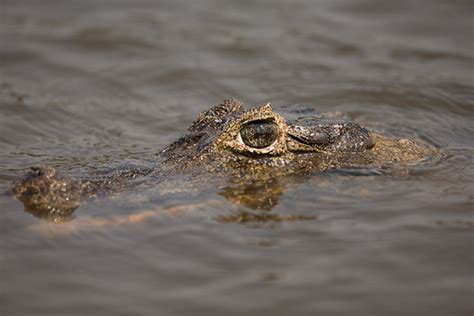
[227, 148]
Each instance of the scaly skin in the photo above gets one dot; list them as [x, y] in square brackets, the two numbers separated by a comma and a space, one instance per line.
[227, 147]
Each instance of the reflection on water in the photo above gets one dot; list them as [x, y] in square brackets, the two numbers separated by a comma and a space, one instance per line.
[257, 195]
[97, 82]
[45, 214]
[260, 196]
[246, 217]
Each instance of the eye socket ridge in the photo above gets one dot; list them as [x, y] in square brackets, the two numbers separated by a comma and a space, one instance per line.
[259, 134]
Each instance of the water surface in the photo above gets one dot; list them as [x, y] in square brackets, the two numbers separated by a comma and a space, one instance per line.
[100, 81]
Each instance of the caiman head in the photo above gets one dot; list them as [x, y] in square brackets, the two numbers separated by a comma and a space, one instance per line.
[243, 154]
[263, 143]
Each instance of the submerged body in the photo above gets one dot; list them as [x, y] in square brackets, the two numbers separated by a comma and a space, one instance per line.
[227, 147]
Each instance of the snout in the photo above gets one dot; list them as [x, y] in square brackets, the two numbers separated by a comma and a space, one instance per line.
[42, 189]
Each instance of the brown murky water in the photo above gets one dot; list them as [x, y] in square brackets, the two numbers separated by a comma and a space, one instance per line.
[85, 81]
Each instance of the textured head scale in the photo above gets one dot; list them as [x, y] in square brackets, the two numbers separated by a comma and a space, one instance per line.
[216, 116]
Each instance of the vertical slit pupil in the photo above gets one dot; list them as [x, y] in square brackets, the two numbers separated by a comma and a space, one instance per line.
[259, 134]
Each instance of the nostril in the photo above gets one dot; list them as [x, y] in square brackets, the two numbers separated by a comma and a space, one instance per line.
[37, 171]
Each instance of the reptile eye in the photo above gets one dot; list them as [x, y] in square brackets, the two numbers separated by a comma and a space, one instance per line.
[259, 134]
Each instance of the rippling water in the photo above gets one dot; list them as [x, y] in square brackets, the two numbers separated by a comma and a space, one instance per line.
[98, 81]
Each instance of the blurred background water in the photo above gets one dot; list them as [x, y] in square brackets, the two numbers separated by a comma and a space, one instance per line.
[104, 80]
